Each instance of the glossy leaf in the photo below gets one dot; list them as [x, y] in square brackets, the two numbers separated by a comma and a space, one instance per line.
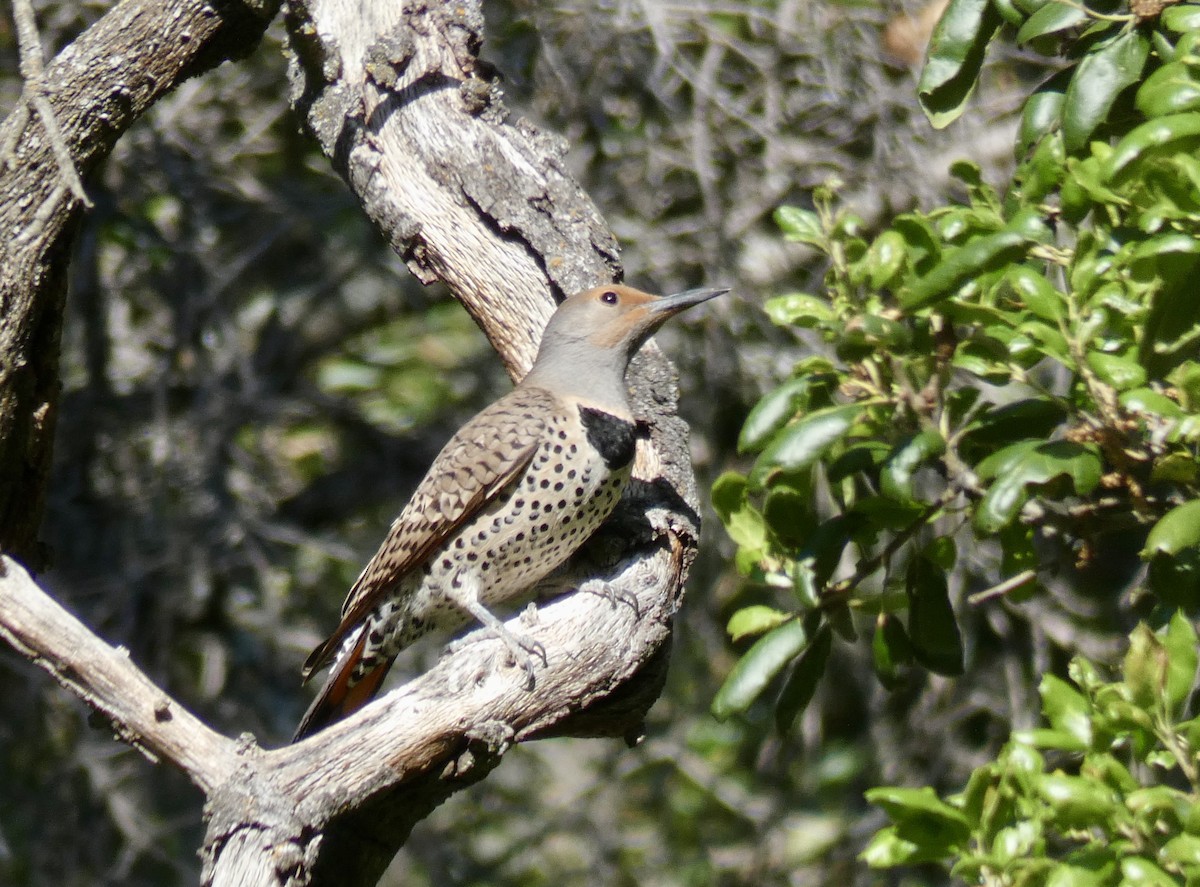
[1176, 531]
[774, 410]
[1042, 113]
[1028, 464]
[1036, 293]
[896, 478]
[761, 663]
[800, 225]
[981, 254]
[799, 309]
[954, 58]
[742, 521]
[1172, 89]
[802, 443]
[1178, 131]
[1179, 640]
[1122, 373]
[1145, 667]
[754, 620]
[885, 259]
[1050, 19]
[1144, 873]
[1101, 75]
[802, 683]
[1067, 710]
[1182, 18]
[1077, 802]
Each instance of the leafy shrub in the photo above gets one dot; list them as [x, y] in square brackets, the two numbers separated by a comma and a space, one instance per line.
[1121, 804]
[1019, 370]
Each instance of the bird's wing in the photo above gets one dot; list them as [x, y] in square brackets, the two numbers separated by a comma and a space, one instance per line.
[482, 458]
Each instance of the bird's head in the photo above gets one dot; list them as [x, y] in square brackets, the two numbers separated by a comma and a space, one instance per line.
[616, 319]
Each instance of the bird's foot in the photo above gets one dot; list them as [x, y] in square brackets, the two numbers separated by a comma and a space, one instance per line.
[523, 649]
[613, 595]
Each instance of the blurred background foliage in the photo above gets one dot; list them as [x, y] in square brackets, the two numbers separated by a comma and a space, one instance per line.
[253, 384]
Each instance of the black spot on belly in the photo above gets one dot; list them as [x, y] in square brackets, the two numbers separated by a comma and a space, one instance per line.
[614, 438]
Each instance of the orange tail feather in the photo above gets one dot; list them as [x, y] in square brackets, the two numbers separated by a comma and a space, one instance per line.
[337, 698]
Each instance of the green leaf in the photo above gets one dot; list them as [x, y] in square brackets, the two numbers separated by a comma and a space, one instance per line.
[774, 410]
[801, 444]
[1042, 113]
[1035, 416]
[1172, 265]
[790, 516]
[1078, 802]
[900, 803]
[1099, 78]
[859, 457]
[1177, 530]
[1067, 710]
[1147, 401]
[754, 620]
[801, 225]
[891, 650]
[1182, 18]
[884, 261]
[1050, 19]
[1181, 850]
[896, 478]
[802, 683]
[1145, 667]
[1172, 89]
[742, 520]
[1026, 464]
[1005, 460]
[1063, 875]
[1036, 293]
[932, 627]
[988, 252]
[870, 332]
[1178, 132]
[1142, 872]
[1180, 641]
[955, 57]
[887, 849]
[761, 663]
[1044, 171]
[799, 309]
[1120, 372]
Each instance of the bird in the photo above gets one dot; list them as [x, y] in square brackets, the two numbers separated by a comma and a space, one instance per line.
[508, 500]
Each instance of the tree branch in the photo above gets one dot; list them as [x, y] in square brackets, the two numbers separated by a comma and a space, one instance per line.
[85, 99]
[105, 678]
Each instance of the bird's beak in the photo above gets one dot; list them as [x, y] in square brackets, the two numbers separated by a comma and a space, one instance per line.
[669, 306]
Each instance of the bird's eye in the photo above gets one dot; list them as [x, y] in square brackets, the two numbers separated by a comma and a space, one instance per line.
[608, 297]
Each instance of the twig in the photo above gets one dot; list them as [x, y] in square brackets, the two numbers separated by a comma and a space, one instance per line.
[1002, 588]
[30, 47]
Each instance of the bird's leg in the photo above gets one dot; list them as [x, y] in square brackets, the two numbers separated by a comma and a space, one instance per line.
[466, 595]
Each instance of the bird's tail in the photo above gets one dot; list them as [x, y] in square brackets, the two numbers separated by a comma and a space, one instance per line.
[340, 696]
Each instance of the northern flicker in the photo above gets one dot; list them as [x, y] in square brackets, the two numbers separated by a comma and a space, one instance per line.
[511, 496]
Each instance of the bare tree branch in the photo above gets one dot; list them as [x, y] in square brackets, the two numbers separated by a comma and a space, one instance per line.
[104, 677]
